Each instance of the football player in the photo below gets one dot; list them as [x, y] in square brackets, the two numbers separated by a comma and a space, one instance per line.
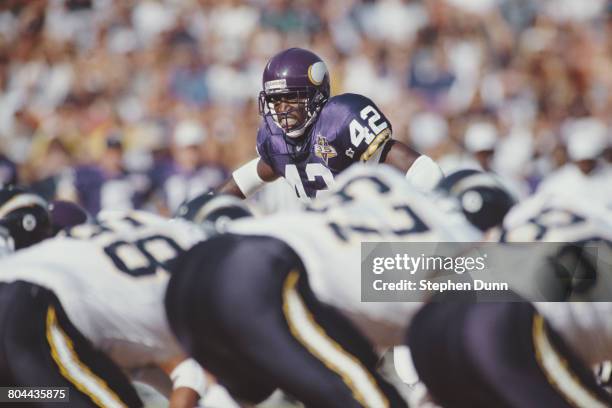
[585, 225]
[83, 308]
[307, 136]
[279, 301]
[521, 354]
[484, 201]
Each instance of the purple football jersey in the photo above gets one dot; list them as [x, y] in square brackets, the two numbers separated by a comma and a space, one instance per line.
[350, 128]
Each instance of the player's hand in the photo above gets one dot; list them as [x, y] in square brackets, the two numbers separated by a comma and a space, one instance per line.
[190, 381]
[184, 397]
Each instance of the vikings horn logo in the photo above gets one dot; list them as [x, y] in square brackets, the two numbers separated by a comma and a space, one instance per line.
[323, 149]
[316, 72]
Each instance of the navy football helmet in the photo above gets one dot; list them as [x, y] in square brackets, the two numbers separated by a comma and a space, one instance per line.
[482, 197]
[213, 210]
[300, 76]
[25, 216]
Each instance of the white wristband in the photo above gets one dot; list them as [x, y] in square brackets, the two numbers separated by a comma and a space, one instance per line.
[424, 173]
[189, 374]
[247, 179]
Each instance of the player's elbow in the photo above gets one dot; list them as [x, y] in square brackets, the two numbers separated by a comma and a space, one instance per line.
[230, 187]
[398, 155]
[423, 172]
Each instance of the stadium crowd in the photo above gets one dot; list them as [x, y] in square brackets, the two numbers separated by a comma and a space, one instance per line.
[122, 103]
[148, 104]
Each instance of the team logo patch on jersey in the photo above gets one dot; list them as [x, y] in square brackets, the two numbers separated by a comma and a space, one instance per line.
[323, 149]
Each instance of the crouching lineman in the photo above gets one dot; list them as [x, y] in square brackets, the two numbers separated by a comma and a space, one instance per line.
[81, 309]
[519, 354]
[484, 201]
[279, 302]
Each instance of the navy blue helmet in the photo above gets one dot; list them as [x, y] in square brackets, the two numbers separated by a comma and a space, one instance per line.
[213, 209]
[483, 199]
[25, 216]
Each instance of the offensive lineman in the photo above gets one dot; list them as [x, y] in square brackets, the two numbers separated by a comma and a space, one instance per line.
[79, 310]
[309, 137]
[279, 298]
[519, 354]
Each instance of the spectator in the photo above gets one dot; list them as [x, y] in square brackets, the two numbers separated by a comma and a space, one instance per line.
[586, 174]
[193, 175]
[69, 68]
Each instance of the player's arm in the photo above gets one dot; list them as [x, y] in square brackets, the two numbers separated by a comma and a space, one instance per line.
[420, 169]
[189, 381]
[366, 137]
[248, 178]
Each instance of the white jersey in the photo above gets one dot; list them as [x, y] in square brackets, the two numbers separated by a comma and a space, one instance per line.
[570, 180]
[367, 204]
[111, 281]
[558, 218]
[586, 326]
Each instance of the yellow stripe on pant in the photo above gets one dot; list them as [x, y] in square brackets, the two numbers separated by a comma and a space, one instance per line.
[71, 367]
[306, 330]
[557, 371]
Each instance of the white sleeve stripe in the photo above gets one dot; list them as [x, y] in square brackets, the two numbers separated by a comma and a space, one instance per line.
[20, 201]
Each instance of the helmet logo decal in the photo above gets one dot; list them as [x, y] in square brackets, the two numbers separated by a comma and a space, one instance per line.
[28, 222]
[472, 201]
[275, 84]
[316, 72]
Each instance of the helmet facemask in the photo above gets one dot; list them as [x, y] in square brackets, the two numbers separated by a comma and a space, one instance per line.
[305, 105]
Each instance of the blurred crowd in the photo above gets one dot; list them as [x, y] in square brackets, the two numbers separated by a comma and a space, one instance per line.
[123, 103]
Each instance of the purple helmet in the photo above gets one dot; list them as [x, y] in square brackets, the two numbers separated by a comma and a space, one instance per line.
[298, 75]
[66, 214]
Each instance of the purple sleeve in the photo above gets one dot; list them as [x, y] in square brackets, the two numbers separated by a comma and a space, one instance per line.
[363, 128]
[261, 146]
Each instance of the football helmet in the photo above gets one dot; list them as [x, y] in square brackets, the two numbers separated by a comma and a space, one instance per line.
[299, 77]
[213, 210]
[25, 216]
[66, 214]
[482, 197]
